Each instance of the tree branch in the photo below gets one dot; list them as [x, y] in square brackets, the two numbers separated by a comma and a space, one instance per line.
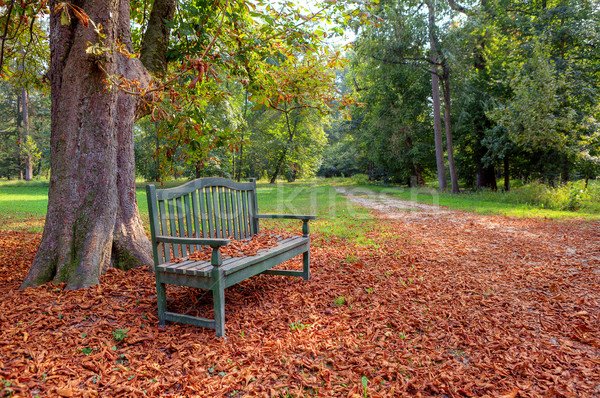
[459, 8]
[410, 61]
[8, 12]
[156, 38]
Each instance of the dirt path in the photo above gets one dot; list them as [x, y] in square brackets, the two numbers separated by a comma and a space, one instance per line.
[390, 207]
[386, 207]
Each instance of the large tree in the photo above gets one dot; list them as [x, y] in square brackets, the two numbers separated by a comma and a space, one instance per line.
[93, 220]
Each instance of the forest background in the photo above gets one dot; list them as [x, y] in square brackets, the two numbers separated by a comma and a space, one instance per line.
[519, 98]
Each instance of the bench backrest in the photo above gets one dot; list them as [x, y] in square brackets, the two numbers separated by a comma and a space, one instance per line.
[212, 207]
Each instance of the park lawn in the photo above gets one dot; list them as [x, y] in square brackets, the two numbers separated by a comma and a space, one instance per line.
[23, 206]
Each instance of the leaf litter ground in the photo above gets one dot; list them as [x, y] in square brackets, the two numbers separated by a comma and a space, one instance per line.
[428, 303]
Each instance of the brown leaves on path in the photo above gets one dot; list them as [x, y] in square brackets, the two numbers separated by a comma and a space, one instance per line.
[448, 305]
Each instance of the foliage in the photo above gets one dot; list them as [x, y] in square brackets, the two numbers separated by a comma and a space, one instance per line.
[24, 50]
[273, 53]
[534, 117]
[293, 142]
[119, 334]
[13, 146]
[340, 159]
[529, 110]
[392, 129]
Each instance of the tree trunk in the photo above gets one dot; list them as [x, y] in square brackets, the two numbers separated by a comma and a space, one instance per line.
[587, 177]
[419, 174]
[486, 177]
[448, 127]
[435, 86]
[131, 247]
[291, 133]
[25, 123]
[93, 219]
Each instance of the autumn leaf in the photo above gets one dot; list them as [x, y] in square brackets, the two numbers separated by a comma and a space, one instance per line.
[511, 394]
[65, 392]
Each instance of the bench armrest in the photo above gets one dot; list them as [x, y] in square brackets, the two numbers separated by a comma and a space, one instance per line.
[193, 241]
[287, 216]
[216, 259]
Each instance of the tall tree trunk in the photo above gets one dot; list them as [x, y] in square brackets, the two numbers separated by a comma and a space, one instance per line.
[448, 127]
[419, 174]
[19, 129]
[92, 219]
[28, 165]
[25, 123]
[435, 86]
[130, 247]
[291, 133]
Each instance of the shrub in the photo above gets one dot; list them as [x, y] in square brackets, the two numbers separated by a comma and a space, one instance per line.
[359, 179]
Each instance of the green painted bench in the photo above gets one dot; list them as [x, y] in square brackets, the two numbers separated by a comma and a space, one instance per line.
[205, 212]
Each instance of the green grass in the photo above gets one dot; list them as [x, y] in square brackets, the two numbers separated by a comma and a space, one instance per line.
[23, 204]
[336, 215]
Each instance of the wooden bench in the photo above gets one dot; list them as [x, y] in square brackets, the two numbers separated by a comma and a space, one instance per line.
[205, 212]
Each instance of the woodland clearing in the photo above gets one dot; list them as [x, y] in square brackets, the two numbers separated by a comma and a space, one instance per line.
[428, 302]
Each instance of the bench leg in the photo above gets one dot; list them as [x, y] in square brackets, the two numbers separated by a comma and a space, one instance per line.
[218, 291]
[161, 301]
[306, 265]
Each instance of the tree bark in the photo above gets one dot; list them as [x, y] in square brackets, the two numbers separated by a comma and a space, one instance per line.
[131, 247]
[448, 127]
[92, 219]
[156, 38]
[435, 85]
[419, 174]
[25, 124]
[291, 133]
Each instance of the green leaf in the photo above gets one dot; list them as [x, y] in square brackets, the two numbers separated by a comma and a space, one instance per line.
[65, 18]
